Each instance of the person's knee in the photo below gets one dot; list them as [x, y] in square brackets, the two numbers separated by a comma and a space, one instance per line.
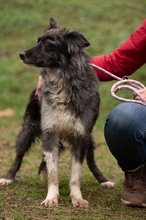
[118, 116]
[119, 120]
[124, 121]
[124, 115]
[124, 131]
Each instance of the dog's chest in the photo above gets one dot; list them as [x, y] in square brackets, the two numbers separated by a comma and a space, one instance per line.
[58, 118]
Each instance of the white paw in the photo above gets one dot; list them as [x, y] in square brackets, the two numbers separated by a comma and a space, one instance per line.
[80, 203]
[108, 184]
[5, 182]
[50, 202]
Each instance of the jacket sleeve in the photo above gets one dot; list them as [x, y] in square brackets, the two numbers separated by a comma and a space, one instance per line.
[125, 59]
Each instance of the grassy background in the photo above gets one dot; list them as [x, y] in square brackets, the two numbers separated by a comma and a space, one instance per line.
[105, 24]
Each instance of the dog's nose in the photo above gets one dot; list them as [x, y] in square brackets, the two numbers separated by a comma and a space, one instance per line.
[22, 55]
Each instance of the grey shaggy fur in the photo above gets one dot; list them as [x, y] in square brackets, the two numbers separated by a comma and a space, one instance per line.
[69, 109]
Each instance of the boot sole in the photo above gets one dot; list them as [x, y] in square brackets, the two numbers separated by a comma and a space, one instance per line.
[128, 203]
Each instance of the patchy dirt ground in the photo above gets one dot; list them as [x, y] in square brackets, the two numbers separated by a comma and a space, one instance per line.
[7, 113]
[21, 200]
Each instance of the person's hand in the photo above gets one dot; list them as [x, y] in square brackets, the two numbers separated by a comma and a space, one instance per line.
[142, 92]
[39, 87]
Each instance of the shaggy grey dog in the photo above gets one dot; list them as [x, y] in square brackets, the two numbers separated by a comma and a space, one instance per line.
[69, 108]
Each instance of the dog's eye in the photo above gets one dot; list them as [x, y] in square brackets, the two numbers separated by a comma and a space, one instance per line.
[47, 41]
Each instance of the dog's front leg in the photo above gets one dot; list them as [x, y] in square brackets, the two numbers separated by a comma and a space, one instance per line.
[50, 151]
[76, 172]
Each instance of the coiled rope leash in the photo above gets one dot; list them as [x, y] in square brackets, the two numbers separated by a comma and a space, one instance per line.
[124, 84]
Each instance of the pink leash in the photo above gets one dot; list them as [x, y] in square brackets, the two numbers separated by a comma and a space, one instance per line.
[124, 84]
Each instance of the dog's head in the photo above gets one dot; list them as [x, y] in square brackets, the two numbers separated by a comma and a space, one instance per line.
[55, 47]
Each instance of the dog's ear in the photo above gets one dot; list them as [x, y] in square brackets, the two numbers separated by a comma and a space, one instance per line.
[76, 39]
[53, 24]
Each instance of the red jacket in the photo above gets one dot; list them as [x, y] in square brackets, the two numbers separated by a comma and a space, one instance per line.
[125, 59]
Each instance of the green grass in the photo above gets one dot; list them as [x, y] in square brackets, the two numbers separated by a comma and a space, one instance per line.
[105, 24]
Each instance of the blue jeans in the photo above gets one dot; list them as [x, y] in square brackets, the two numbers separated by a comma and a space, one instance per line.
[125, 134]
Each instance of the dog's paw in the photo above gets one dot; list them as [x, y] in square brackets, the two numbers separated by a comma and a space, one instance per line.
[80, 203]
[5, 182]
[50, 202]
[108, 184]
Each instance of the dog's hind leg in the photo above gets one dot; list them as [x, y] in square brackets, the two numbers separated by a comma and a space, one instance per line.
[94, 168]
[51, 151]
[29, 132]
[78, 154]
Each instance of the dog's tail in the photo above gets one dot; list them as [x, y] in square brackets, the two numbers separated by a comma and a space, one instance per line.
[92, 164]
[30, 130]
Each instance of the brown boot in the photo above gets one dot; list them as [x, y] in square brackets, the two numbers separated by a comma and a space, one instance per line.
[134, 191]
